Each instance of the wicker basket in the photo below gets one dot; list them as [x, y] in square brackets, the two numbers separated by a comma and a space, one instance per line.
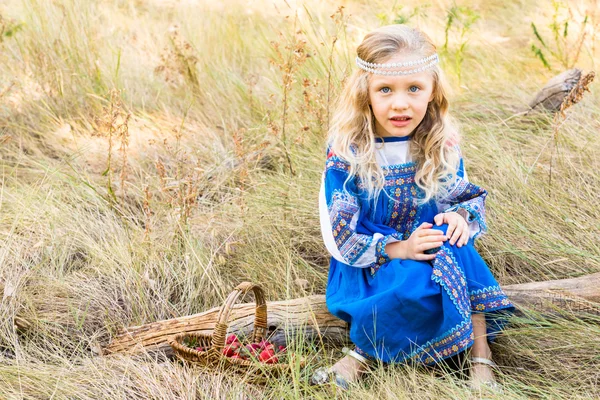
[213, 357]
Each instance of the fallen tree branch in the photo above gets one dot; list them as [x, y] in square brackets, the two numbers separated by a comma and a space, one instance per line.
[309, 316]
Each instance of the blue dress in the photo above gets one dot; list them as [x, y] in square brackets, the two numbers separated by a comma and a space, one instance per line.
[404, 310]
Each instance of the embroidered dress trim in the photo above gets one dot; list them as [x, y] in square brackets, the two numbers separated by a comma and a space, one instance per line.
[382, 256]
[336, 163]
[389, 139]
[476, 213]
[472, 198]
[488, 299]
[342, 209]
[448, 274]
[446, 345]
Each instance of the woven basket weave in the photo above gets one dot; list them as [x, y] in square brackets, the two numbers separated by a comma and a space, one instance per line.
[213, 357]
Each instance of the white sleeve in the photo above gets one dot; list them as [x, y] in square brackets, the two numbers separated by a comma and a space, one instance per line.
[368, 256]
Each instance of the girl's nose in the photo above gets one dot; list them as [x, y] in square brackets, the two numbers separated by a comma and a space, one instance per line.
[400, 102]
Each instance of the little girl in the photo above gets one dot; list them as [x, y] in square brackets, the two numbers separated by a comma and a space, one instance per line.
[399, 217]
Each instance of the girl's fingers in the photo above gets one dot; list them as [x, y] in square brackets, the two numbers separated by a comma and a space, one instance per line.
[428, 246]
[457, 237]
[430, 240]
[463, 233]
[424, 257]
[431, 232]
[464, 239]
[425, 225]
[450, 231]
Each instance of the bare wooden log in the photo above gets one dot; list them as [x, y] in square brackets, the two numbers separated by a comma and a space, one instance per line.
[577, 295]
[308, 316]
[554, 92]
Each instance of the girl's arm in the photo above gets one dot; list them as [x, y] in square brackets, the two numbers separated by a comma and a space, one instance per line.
[466, 199]
[348, 238]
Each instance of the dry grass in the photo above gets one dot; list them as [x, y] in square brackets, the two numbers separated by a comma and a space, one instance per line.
[156, 153]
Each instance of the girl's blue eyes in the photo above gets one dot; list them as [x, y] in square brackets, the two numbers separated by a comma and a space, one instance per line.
[409, 89]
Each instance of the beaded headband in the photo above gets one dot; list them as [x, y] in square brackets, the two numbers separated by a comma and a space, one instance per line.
[381, 69]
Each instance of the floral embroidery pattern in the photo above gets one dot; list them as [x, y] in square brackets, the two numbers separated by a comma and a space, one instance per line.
[403, 212]
[464, 194]
[342, 210]
[448, 274]
[446, 345]
[489, 299]
[382, 256]
[337, 164]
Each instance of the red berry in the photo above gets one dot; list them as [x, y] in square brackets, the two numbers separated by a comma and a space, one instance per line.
[268, 356]
[253, 349]
[230, 349]
[200, 348]
[231, 339]
[282, 349]
[272, 360]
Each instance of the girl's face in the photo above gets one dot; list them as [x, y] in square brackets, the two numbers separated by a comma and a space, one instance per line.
[399, 102]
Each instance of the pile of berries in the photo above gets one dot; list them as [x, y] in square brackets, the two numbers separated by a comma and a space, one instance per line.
[263, 351]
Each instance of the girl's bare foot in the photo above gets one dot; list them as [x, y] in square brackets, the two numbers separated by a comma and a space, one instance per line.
[481, 373]
[350, 368]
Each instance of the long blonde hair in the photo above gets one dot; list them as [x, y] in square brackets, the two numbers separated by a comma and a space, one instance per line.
[352, 132]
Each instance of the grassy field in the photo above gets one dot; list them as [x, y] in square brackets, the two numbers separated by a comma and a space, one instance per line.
[156, 153]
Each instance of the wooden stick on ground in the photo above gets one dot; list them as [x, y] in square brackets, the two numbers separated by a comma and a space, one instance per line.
[309, 316]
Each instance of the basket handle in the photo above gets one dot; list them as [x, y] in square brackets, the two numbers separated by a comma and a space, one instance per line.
[260, 314]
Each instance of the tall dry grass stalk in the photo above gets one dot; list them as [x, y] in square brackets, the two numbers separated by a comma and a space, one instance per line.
[113, 124]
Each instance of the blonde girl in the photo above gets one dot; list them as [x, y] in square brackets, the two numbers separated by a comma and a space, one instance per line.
[399, 217]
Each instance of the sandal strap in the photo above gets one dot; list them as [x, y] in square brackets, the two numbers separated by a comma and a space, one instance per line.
[481, 360]
[326, 375]
[352, 353]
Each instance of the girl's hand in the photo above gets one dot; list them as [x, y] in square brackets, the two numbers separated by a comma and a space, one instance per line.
[423, 238]
[458, 228]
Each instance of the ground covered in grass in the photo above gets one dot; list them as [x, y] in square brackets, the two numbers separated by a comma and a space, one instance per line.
[154, 154]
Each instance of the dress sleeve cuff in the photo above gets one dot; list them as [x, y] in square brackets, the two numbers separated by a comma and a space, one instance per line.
[381, 256]
[468, 215]
[476, 223]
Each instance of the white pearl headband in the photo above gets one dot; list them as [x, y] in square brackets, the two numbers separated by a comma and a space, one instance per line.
[380, 69]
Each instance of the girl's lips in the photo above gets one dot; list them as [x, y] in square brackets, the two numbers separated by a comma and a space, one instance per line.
[399, 123]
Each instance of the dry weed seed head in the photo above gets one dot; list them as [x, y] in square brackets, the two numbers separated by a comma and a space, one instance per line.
[162, 174]
[178, 64]
[113, 124]
[576, 94]
[240, 154]
[338, 15]
[147, 212]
